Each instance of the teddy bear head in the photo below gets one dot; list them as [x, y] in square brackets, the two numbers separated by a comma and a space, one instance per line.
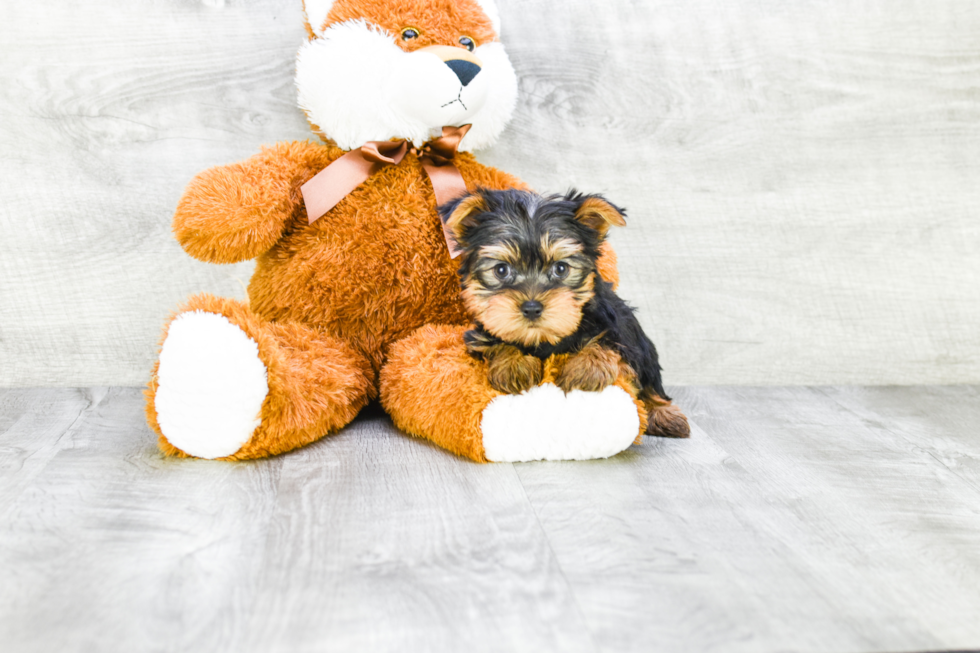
[374, 70]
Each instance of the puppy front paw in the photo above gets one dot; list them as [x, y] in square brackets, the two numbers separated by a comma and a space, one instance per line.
[510, 371]
[591, 369]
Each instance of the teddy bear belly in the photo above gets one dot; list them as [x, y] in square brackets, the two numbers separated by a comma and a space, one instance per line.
[369, 283]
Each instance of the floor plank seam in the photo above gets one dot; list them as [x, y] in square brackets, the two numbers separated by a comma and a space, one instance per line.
[900, 434]
[92, 402]
[554, 555]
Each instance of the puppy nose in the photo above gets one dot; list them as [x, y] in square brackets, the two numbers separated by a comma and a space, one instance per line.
[531, 309]
[465, 70]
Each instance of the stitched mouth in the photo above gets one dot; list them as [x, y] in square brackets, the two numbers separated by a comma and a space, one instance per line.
[459, 98]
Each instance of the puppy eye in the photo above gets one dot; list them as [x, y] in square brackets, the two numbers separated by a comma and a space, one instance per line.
[501, 271]
[409, 33]
[467, 43]
[560, 270]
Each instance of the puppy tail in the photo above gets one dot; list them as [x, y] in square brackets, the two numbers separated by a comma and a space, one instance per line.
[664, 419]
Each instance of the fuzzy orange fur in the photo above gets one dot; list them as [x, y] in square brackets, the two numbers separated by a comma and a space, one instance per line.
[343, 309]
[369, 272]
[433, 388]
[438, 22]
[317, 384]
[362, 277]
[339, 283]
[236, 212]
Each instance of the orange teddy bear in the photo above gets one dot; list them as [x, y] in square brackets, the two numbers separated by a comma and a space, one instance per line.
[362, 302]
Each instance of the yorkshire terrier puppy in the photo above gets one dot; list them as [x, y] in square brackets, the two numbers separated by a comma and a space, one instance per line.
[530, 282]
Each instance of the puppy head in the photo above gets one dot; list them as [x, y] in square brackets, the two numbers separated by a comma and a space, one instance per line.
[528, 265]
[374, 70]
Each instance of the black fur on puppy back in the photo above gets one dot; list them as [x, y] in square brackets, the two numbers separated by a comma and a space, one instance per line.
[611, 316]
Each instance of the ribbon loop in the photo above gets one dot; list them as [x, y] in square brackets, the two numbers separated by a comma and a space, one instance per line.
[390, 152]
[441, 151]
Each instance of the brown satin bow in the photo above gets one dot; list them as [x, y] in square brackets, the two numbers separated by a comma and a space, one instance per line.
[332, 184]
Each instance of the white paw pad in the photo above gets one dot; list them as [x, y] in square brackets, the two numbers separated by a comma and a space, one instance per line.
[546, 424]
[211, 385]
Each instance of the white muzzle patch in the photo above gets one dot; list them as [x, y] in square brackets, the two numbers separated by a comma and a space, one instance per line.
[357, 85]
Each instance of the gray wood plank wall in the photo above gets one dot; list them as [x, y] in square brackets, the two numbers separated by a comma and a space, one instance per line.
[803, 177]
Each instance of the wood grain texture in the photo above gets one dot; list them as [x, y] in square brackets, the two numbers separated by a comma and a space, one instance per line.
[802, 178]
[367, 541]
[114, 547]
[386, 543]
[824, 520]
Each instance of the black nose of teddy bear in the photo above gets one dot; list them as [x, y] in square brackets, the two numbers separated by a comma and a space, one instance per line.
[465, 70]
[531, 309]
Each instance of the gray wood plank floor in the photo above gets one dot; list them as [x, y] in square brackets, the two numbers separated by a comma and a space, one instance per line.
[795, 519]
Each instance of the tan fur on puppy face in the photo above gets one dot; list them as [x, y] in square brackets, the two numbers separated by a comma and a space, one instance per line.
[556, 250]
[498, 307]
[500, 312]
[506, 252]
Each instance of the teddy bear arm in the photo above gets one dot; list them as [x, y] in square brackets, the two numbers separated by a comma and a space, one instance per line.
[435, 389]
[236, 212]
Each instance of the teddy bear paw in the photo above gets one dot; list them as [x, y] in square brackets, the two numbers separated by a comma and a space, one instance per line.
[210, 385]
[545, 423]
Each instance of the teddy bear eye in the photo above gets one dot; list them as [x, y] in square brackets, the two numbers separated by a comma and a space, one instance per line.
[501, 271]
[409, 33]
[467, 43]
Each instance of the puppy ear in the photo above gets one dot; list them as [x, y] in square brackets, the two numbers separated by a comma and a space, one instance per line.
[596, 213]
[459, 215]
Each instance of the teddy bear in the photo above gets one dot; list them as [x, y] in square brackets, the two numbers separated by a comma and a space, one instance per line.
[359, 299]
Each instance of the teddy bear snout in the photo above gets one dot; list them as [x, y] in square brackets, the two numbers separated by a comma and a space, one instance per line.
[464, 64]
[465, 70]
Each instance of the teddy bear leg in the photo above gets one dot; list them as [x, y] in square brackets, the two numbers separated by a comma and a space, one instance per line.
[229, 384]
[434, 389]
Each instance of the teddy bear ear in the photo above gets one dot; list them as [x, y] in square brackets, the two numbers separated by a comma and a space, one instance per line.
[316, 14]
[489, 7]
[597, 213]
[460, 215]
